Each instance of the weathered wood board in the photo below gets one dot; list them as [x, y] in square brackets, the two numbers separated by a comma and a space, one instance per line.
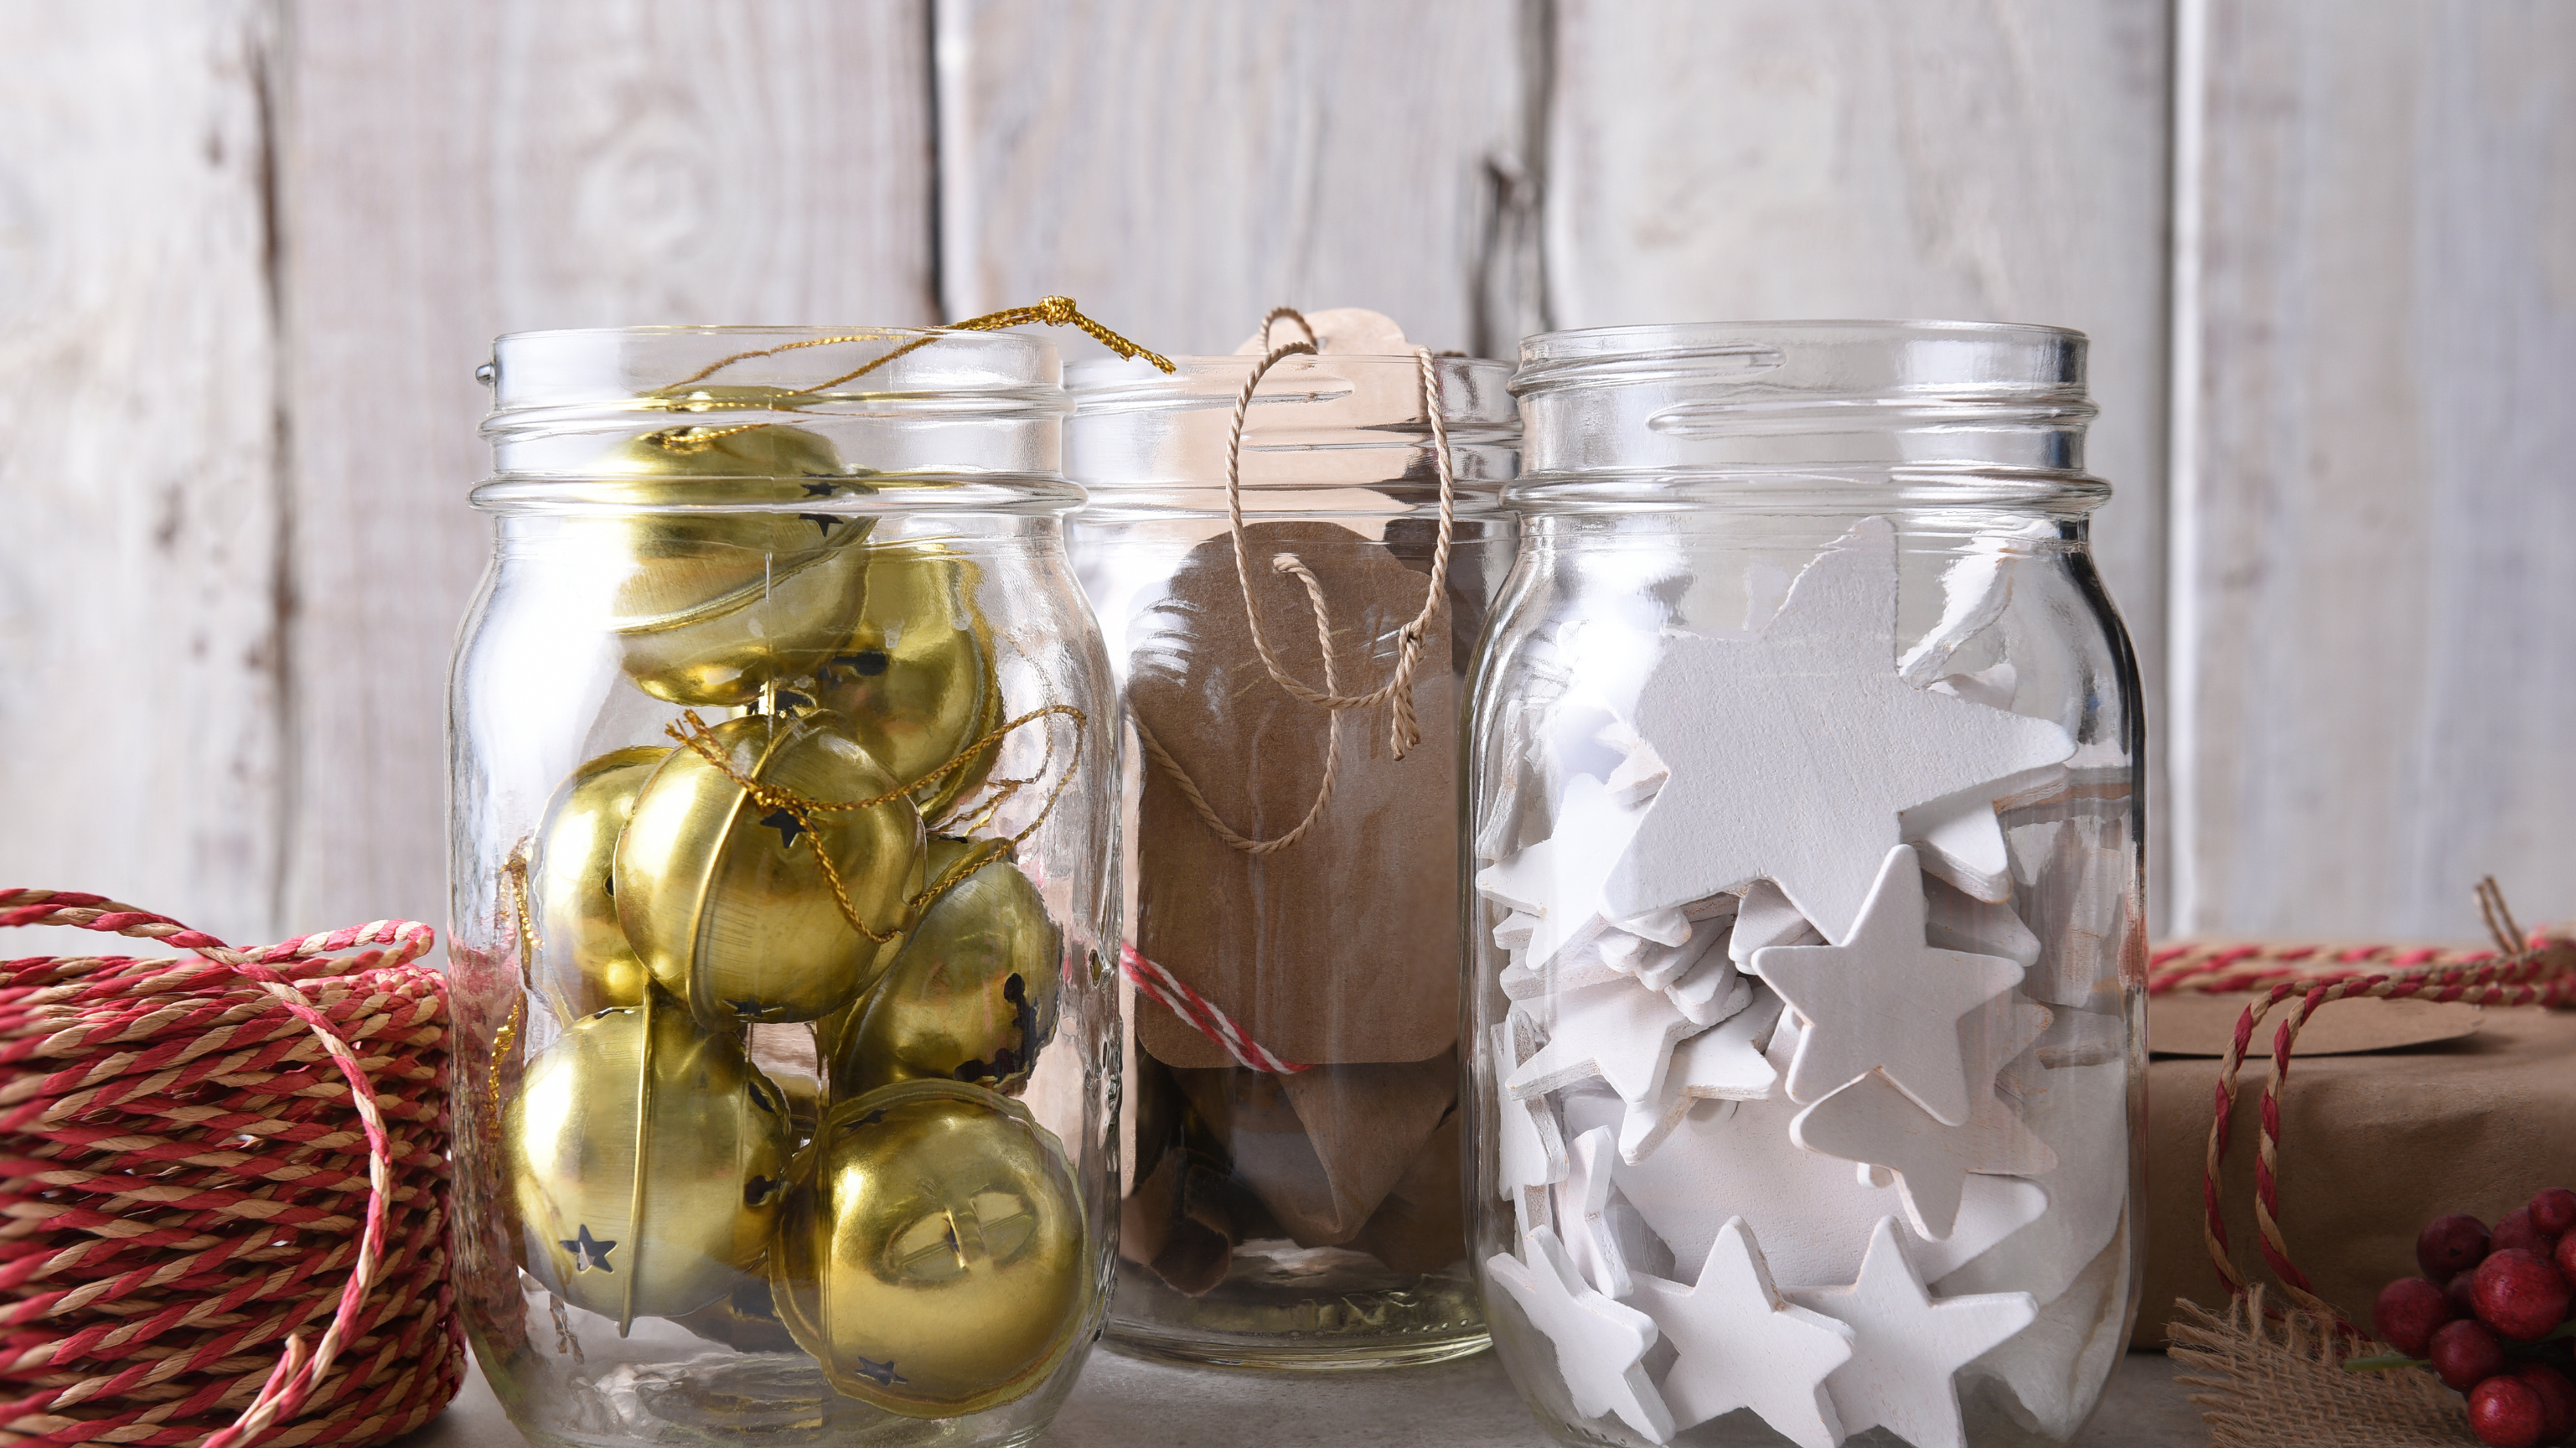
[1986, 160]
[460, 171]
[144, 609]
[2375, 641]
[1180, 168]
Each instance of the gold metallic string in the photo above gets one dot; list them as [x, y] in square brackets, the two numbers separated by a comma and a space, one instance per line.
[1050, 311]
[692, 733]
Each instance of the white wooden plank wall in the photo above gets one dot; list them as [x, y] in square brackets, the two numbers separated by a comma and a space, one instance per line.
[2375, 643]
[466, 169]
[1987, 160]
[141, 518]
[250, 254]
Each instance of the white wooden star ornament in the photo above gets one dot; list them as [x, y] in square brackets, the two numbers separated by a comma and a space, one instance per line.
[1725, 1064]
[1601, 1345]
[1792, 754]
[1620, 1032]
[1907, 1348]
[1532, 1145]
[1583, 1215]
[1879, 1001]
[1558, 880]
[1807, 1206]
[1740, 1344]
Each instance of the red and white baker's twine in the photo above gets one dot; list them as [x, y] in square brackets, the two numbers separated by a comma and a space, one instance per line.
[175, 1186]
[2539, 970]
[1166, 990]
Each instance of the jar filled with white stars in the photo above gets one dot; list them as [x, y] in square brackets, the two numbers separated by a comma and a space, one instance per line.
[1807, 942]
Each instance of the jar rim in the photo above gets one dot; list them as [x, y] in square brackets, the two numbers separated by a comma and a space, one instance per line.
[2012, 355]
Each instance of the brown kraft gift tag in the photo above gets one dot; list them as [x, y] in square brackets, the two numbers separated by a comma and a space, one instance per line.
[1324, 952]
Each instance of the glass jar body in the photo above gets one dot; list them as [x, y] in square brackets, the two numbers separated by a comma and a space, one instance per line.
[1806, 1029]
[1299, 1210]
[784, 877]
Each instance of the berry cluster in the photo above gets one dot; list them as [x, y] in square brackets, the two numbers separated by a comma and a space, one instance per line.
[2490, 1316]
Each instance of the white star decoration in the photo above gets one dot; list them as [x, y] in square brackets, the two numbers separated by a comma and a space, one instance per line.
[1620, 1032]
[1720, 1065]
[1583, 1209]
[1532, 1148]
[1558, 880]
[1780, 749]
[1907, 1348]
[1601, 1345]
[1807, 1206]
[1880, 1001]
[1740, 1345]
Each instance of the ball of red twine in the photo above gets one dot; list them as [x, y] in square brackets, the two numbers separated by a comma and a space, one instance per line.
[223, 1187]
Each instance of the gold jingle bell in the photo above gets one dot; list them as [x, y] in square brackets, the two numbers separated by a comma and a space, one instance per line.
[727, 900]
[715, 1147]
[931, 1251]
[581, 962]
[972, 994]
[717, 605]
[916, 678]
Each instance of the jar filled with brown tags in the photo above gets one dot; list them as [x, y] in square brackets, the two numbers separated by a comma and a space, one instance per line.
[785, 889]
[1292, 551]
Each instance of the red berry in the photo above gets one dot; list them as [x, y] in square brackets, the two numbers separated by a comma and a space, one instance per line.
[2518, 1231]
[2520, 1294]
[2407, 1312]
[2553, 1211]
[2465, 1353]
[2557, 1400]
[2505, 1413]
[2460, 1294]
[2566, 1258]
[2450, 1245]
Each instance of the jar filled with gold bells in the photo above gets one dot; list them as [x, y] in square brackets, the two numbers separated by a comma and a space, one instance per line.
[1807, 950]
[1292, 550]
[784, 890]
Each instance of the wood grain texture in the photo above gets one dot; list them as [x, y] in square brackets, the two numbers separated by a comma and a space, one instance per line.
[2375, 639]
[1986, 160]
[1181, 168]
[459, 171]
[139, 618]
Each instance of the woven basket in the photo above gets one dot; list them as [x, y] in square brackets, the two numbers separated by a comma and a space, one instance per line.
[223, 1187]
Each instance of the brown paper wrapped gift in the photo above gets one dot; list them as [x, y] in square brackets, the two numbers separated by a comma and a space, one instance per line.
[2373, 1145]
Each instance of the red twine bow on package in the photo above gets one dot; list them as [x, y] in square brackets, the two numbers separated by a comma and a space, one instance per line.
[2276, 1379]
[223, 1179]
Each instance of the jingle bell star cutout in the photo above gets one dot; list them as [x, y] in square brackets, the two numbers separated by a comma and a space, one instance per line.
[1601, 1345]
[1741, 1345]
[1907, 1348]
[1792, 754]
[1881, 1000]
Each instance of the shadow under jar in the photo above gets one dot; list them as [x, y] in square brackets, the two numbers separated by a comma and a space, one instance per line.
[1806, 945]
[1292, 1197]
[784, 884]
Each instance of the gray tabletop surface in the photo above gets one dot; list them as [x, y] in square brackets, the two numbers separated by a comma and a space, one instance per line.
[1122, 1401]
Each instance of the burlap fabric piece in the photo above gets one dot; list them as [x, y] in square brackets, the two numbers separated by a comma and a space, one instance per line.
[1324, 952]
[2282, 1385]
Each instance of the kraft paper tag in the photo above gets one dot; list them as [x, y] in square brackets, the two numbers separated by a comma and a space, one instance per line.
[1341, 948]
[2203, 1025]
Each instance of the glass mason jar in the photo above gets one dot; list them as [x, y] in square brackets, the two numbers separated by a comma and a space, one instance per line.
[1806, 947]
[784, 891]
[1292, 1200]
